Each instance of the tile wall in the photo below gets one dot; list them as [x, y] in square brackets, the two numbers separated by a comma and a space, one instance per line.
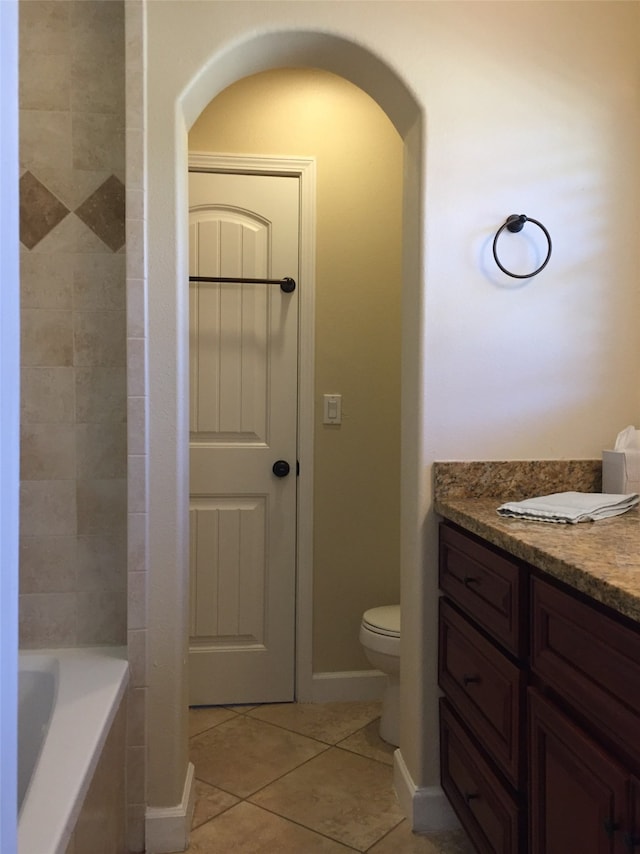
[73, 426]
[83, 460]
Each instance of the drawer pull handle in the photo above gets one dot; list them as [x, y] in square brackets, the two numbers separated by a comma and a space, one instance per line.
[470, 680]
[470, 796]
[610, 827]
[469, 580]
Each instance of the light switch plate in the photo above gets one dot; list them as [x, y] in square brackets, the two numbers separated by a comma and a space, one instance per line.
[332, 409]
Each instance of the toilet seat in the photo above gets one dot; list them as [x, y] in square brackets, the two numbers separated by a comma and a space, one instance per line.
[384, 620]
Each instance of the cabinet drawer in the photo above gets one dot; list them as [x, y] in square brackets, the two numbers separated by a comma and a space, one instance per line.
[486, 809]
[485, 688]
[486, 585]
[591, 660]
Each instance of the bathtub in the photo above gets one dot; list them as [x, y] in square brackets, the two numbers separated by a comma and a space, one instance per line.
[67, 700]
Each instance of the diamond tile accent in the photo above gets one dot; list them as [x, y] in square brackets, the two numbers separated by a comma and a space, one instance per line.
[40, 210]
[103, 212]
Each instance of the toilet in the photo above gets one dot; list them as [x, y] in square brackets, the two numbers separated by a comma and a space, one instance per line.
[380, 638]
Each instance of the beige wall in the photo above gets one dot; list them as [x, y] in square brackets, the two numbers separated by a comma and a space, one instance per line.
[308, 112]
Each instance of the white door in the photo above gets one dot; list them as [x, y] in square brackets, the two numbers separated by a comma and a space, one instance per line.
[243, 416]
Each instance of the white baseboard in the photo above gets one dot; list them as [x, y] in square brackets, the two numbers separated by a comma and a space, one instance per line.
[167, 828]
[347, 686]
[426, 807]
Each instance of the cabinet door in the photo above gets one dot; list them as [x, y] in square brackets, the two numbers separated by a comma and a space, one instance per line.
[578, 793]
[632, 832]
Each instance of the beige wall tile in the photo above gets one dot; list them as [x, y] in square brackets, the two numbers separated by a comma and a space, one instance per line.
[97, 142]
[137, 483]
[44, 81]
[47, 564]
[47, 620]
[101, 450]
[136, 788]
[102, 506]
[47, 337]
[99, 282]
[97, 29]
[46, 280]
[45, 139]
[136, 308]
[134, 147]
[135, 828]
[135, 249]
[47, 452]
[137, 546]
[137, 648]
[99, 338]
[136, 425]
[97, 84]
[136, 366]
[101, 825]
[44, 27]
[47, 507]
[101, 618]
[47, 395]
[137, 600]
[101, 394]
[102, 563]
[136, 722]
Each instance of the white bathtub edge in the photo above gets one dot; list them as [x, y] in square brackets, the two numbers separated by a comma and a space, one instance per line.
[92, 684]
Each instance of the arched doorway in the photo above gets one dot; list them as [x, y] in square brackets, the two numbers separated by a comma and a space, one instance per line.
[168, 382]
[348, 483]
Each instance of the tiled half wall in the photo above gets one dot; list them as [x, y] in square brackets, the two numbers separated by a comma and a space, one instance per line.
[73, 367]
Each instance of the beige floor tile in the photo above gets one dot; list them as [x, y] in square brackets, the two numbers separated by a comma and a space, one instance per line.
[401, 840]
[367, 742]
[243, 708]
[328, 722]
[339, 794]
[242, 755]
[210, 802]
[204, 717]
[246, 829]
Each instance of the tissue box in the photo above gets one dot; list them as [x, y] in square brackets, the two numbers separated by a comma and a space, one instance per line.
[621, 471]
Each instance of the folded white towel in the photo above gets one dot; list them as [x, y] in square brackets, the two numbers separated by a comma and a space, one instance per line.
[570, 507]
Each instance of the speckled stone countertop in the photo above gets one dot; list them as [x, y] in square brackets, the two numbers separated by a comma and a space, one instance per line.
[601, 559]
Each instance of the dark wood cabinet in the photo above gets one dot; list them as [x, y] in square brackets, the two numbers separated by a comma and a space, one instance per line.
[489, 811]
[578, 794]
[482, 652]
[540, 720]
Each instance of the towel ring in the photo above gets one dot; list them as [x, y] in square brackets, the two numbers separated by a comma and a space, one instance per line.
[515, 223]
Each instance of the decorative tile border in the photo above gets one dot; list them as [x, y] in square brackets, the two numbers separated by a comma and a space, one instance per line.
[41, 211]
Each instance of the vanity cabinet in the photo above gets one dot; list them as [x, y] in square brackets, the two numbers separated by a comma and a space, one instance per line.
[481, 667]
[584, 724]
[540, 718]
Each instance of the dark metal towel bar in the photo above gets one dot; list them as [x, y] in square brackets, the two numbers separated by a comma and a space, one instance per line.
[287, 284]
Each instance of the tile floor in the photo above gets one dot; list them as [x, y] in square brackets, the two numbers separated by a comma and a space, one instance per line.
[299, 779]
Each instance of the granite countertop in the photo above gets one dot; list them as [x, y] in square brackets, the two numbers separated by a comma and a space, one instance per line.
[601, 559]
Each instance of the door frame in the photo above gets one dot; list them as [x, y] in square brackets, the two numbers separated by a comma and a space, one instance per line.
[303, 168]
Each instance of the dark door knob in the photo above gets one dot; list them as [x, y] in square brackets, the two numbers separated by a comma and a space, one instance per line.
[281, 468]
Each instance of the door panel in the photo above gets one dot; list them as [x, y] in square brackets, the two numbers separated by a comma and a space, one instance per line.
[243, 411]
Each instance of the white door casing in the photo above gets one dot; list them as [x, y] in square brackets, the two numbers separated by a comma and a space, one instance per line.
[243, 412]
